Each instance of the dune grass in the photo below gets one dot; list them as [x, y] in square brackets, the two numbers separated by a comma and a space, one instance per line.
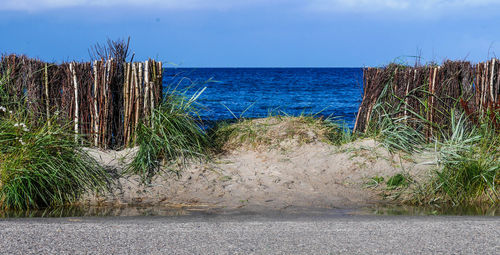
[172, 134]
[468, 166]
[41, 163]
[394, 131]
[44, 166]
[272, 131]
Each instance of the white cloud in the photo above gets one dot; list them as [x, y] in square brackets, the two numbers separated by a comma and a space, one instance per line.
[39, 5]
[431, 6]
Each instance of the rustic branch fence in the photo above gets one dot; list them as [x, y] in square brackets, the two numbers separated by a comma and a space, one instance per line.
[424, 96]
[103, 100]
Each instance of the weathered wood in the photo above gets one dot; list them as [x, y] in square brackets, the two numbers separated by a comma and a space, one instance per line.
[47, 98]
[86, 93]
[146, 88]
[431, 92]
[75, 84]
[96, 111]
[492, 77]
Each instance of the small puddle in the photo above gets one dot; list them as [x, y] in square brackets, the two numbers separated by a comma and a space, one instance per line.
[431, 210]
[128, 211]
[103, 211]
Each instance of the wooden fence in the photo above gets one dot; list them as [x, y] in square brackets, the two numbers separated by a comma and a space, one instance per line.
[103, 100]
[424, 96]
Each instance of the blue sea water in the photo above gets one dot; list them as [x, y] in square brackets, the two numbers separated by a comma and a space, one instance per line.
[256, 92]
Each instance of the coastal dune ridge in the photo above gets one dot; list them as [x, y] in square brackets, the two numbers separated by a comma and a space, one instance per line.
[278, 171]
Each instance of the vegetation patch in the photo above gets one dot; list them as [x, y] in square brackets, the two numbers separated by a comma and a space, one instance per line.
[277, 132]
[44, 166]
[42, 162]
[398, 180]
[173, 134]
[469, 167]
[440, 113]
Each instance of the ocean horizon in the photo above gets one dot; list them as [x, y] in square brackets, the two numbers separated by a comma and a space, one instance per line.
[254, 92]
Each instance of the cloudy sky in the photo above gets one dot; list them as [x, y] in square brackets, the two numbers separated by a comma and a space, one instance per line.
[261, 33]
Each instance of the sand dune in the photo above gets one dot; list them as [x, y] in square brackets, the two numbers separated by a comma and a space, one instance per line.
[306, 175]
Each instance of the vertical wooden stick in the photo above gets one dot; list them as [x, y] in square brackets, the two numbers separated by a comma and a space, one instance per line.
[491, 80]
[146, 88]
[125, 102]
[75, 85]
[131, 110]
[96, 112]
[371, 104]
[484, 75]
[109, 105]
[140, 95]
[152, 93]
[105, 91]
[130, 102]
[136, 99]
[406, 96]
[160, 81]
[47, 103]
[432, 100]
[496, 92]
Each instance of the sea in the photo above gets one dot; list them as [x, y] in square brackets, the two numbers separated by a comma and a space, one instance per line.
[231, 93]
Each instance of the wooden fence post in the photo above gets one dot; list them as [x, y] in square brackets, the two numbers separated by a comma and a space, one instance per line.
[47, 99]
[75, 86]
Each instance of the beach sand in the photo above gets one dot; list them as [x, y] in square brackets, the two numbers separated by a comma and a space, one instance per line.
[317, 174]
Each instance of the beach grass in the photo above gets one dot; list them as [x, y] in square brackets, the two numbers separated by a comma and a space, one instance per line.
[173, 134]
[467, 167]
[44, 166]
[276, 129]
[41, 162]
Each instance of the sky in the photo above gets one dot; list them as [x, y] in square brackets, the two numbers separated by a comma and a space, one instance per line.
[256, 33]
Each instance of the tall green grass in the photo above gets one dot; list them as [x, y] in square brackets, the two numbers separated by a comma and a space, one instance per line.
[468, 166]
[41, 164]
[395, 131]
[172, 134]
[44, 166]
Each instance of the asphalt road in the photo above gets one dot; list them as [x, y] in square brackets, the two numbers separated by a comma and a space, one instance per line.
[252, 234]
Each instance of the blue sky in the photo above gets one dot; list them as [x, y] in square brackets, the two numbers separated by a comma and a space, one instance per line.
[258, 33]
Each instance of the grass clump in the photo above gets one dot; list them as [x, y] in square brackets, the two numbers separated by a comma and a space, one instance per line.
[469, 166]
[277, 131]
[44, 166]
[395, 132]
[41, 162]
[172, 133]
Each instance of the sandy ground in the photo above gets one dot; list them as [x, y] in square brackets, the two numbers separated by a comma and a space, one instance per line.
[308, 175]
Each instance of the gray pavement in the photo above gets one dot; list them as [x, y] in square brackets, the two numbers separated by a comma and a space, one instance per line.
[252, 234]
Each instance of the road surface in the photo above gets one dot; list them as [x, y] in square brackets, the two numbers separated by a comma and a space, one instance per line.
[252, 234]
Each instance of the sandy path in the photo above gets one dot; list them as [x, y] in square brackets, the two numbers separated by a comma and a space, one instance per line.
[309, 175]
